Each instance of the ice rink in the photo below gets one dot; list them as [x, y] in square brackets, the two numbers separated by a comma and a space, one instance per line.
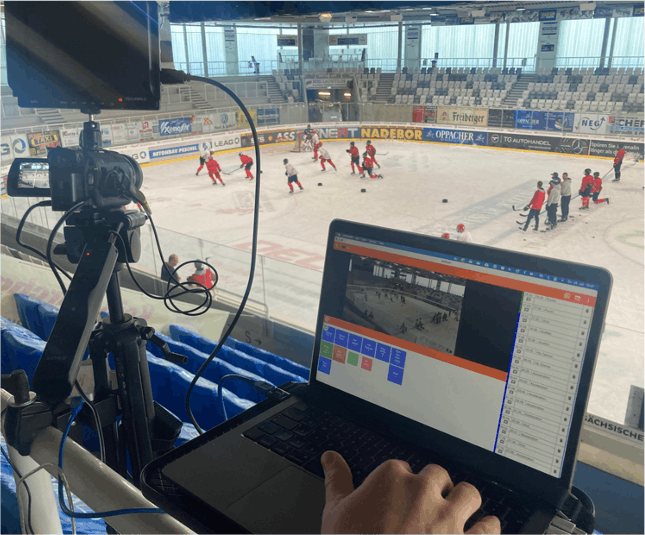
[480, 184]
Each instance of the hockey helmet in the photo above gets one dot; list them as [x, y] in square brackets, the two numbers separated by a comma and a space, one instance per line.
[351, 143]
[445, 236]
[369, 142]
[285, 161]
[461, 227]
[554, 175]
[365, 154]
[596, 174]
[587, 171]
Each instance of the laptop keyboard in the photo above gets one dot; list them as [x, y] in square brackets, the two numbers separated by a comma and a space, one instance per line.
[302, 434]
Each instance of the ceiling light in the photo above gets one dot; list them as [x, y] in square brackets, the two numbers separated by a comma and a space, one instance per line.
[347, 94]
[521, 9]
[325, 17]
[325, 93]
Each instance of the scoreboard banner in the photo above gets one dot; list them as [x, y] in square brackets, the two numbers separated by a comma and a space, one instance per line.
[354, 39]
[287, 40]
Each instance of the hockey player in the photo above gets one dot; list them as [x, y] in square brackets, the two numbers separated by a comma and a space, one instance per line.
[292, 175]
[597, 187]
[353, 154]
[325, 157]
[371, 150]
[553, 200]
[368, 165]
[315, 141]
[535, 205]
[463, 234]
[308, 132]
[204, 156]
[585, 189]
[247, 163]
[618, 161]
[203, 276]
[214, 169]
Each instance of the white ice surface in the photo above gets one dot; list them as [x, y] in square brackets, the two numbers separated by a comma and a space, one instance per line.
[480, 185]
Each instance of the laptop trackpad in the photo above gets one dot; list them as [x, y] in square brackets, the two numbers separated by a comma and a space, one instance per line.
[292, 501]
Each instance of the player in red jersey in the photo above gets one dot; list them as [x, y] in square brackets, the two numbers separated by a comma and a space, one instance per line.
[203, 276]
[354, 155]
[368, 165]
[247, 163]
[597, 187]
[204, 156]
[585, 189]
[325, 157]
[618, 161]
[214, 169]
[535, 205]
[371, 150]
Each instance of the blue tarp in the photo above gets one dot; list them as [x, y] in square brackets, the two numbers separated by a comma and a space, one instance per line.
[270, 372]
[28, 314]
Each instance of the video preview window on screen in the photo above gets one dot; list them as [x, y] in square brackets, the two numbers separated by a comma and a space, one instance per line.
[427, 308]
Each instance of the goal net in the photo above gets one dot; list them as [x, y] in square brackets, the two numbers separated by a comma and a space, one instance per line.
[302, 144]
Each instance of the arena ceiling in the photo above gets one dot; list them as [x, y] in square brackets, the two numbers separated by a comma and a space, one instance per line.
[364, 12]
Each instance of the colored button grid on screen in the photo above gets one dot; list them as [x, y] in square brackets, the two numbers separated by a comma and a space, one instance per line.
[339, 354]
[326, 349]
[341, 338]
[355, 342]
[328, 333]
[324, 365]
[368, 348]
[366, 364]
[398, 357]
[352, 358]
[383, 352]
[395, 375]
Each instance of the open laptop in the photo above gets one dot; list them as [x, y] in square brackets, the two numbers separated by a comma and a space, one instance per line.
[428, 350]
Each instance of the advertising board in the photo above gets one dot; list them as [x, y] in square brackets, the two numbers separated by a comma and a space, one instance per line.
[41, 141]
[462, 116]
[175, 127]
[396, 133]
[138, 153]
[424, 114]
[271, 137]
[69, 137]
[625, 125]
[591, 123]
[145, 132]
[609, 149]
[459, 137]
[172, 152]
[544, 120]
[240, 118]
[539, 143]
[14, 146]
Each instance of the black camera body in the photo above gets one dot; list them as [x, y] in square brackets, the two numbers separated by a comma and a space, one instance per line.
[104, 179]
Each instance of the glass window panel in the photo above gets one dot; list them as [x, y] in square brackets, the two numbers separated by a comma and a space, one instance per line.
[629, 44]
[580, 43]
[459, 46]
[178, 45]
[195, 49]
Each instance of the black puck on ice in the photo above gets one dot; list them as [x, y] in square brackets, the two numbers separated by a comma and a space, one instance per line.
[363, 190]
[445, 200]
[320, 183]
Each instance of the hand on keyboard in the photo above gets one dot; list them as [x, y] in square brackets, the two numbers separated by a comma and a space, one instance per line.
[394, 500]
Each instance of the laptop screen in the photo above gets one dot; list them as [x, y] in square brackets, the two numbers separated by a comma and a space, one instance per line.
[488, 353]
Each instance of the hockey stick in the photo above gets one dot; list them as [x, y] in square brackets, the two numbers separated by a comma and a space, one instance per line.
[231, 170]
[518, 210]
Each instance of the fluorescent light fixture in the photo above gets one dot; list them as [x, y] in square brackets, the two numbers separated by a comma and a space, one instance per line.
[326, 93]
[433, 14]
[396, 17]
[521, 9]
[347, 94]
[325, 17]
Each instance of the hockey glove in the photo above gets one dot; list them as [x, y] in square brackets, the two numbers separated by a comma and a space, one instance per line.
[526, 207]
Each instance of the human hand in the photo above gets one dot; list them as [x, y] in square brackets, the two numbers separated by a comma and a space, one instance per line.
[394, 500]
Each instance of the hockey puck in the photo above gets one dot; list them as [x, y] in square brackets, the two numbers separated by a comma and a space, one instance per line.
[444, 200]
[363, 190]
[320, 183]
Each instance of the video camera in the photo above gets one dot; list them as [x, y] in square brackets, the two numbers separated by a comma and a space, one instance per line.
[104, 179]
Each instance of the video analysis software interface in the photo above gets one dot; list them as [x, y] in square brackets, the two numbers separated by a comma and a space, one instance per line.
[487, 353]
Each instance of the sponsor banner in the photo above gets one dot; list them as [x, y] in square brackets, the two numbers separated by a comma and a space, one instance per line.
[140, 153]
[610, 148]
[418, 114]
[175, 127]
[462, 116]
[460, 137]
[20, 145]
[269, 138]
[539, 143]
[133, 131]
[625, 125]
[119, 134]
[224, 142]
[172, 152]
[395, 133]
[287, 40]
[548, 15]
[106, 135]
[240, 118]
[3, 180]
[345, 132]
[70, 137]
[591, 123]
[41, 141]
[541, 120]
[145, 132]
[269, 116]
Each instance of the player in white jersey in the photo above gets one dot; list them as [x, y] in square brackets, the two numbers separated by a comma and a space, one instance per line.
[292, 175]
[463, 234]
[325, 157]
[315, 141]
[204, 156]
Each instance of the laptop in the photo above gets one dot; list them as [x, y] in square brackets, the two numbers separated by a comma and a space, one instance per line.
[427, 350]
